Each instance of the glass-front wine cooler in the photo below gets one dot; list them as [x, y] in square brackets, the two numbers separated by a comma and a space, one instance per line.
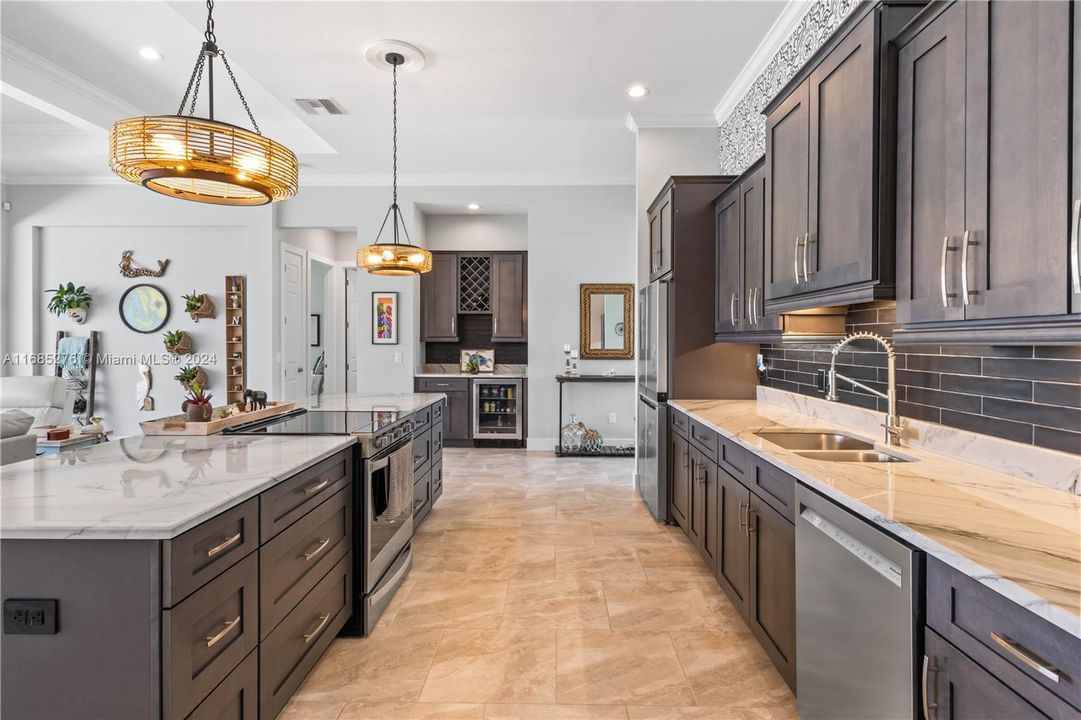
[497, 409]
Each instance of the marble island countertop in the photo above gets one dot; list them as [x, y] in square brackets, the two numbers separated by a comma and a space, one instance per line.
[147, 487]
[356, 402]
[1017, 537]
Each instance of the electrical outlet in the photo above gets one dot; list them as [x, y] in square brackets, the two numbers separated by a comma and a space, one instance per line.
[397, 358]
[611, 417]
[30, 617]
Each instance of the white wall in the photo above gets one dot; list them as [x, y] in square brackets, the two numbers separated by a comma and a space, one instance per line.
[476, 232]
[659, 154]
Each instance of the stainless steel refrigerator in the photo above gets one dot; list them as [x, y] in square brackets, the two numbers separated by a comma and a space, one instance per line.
[651, 461]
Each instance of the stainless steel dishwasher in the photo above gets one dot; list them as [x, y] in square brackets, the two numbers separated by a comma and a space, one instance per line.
[858, 601]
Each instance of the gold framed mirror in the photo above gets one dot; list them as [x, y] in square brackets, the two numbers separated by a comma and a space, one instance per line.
[606, 324]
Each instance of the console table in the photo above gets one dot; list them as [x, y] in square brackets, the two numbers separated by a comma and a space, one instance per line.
[606, 450]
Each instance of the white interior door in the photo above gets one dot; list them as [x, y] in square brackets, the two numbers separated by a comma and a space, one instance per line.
[352, 328]
[294, 326]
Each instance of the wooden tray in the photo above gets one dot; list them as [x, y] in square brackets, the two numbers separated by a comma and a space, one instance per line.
[179, 425]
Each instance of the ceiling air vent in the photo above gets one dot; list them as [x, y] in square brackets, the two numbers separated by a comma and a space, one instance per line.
[319, 106]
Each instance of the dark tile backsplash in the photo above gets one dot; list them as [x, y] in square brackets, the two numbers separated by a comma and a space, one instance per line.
[475, 333]
[1022, 393]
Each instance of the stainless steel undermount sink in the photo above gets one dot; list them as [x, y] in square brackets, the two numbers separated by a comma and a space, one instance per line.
[852, 456]
[812, 439]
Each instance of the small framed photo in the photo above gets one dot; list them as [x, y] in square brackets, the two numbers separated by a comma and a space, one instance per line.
[384, 318]
[477, 361]
[314, 330]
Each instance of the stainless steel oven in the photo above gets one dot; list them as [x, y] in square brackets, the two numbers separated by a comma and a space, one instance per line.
[388, 511]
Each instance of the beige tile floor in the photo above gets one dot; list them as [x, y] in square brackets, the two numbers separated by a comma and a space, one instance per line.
[542, 588]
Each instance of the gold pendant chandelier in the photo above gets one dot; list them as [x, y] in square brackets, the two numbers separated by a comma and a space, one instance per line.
[396, 258]
[203, 159]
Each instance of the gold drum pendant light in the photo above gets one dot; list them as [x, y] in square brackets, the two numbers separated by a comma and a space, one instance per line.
[394, 258]
[202, 159]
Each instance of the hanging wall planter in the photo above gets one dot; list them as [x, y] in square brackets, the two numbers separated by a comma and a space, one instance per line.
[191, 375]
[177, 342]
[71, 301]
[198, 305]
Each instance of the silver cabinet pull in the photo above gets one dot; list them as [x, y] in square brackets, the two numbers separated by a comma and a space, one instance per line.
[928, 668]
[750, 307]
[732, 310]
[742, 523]
[212, 640]
[686, 456]
[308, 637]
[754, 304]
[750, 513]
[225, 545]
[1075, 248]
[946, 250]
[453, 319]
[795, 259]
[807, 240]
[316, 487]
[495, 325]
[316, 550]
[1027, 657]
[965, 243]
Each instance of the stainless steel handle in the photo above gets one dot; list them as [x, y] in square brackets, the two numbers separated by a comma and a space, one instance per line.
[316, 487]
[323, 619]
[754, 304]
[453, 320]
[225, 545]
[807, 240]
[965, 292]
[495, 325]
[318, 549]
[686, 457]
[750, 307]
[1075, 247]
[212, 640]
[742, 522]
[442, 384]
[750, 513]
[795, 259]
[732, 310]
[1027, 657]
[946, 250]
[928, 668]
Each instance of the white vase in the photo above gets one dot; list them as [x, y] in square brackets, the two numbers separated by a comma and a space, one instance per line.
[78, 315]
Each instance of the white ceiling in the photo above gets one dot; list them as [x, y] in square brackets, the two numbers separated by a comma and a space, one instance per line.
[522, 93]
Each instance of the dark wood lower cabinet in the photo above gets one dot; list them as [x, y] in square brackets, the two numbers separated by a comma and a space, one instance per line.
[771, 610]
[237, 698]
[680, 479]
[733, 554]
[704, 525]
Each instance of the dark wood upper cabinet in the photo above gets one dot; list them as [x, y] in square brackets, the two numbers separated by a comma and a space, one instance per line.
[771, 610]
[729, 315]
[508, 297]
[829, 159]
[660, 237]
[752, 233]
[985, 222]
[439, 299]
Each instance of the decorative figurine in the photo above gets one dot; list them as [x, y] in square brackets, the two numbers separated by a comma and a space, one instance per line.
[255, 399]
[142, 390]
[131, 269]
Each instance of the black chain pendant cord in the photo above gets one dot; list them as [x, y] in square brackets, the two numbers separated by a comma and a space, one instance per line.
[394, 213]
[211, 50]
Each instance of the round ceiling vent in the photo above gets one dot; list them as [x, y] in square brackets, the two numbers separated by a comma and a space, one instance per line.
[376, 54]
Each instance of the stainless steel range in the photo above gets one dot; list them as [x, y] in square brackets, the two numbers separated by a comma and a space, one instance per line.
[383, 498]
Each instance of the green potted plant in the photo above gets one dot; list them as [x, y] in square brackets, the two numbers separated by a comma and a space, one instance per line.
[71, 301]
[177, 342]
[196, 405]
[191, 374]
[198, 305]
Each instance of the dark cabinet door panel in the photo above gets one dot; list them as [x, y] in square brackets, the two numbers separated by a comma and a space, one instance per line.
[931, 170]
[696, 517]
[729, 299]
[1017, 177]
[787, 142]
[839, 247]
[508, 297]
[237, 698]
[456, 421]
[733, 553]
[707, 505]
[439, 299]
[680, 463]
[772, 608]
[752, 218]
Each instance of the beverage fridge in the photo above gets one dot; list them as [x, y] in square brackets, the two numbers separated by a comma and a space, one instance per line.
[497, 409]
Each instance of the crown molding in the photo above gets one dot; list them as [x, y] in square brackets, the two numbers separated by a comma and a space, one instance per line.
[635, 122]
[785, 24]
[368, 180]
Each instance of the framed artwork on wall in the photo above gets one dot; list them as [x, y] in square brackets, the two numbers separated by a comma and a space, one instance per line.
[144, 308]
[384, 318]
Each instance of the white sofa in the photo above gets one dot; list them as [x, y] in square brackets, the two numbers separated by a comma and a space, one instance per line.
[43, 397]
[16, 441]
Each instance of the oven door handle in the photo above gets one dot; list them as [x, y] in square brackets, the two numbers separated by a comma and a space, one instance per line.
[379, 464]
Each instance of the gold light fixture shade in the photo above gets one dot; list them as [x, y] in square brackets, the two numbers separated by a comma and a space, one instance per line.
[202, 160]
[394, 259]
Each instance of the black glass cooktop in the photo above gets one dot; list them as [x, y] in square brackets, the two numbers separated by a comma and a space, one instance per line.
[321, 422]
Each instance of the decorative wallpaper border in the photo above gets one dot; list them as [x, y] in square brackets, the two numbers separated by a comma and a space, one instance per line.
[742, 135]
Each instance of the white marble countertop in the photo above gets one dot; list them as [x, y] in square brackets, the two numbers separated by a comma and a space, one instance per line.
[403, 403]
[147, 487]
[1017, 537]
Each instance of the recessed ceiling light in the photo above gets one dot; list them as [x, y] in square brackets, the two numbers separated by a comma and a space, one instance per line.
[474, 206]
[149, 53]
[637, 91]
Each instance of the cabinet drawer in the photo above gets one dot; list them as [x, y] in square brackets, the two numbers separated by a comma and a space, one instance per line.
[1001, 635]
[680, 422]
[437, 480]
[422, 419]
[437, 439]
[237, 698]
[422, 451]
[207, 635]
[299, 557]
[705, 438]
[422, 497]
[734, 458]
[442, 384]
[292, 649]
[777, 488]
[288, 501]
[437, 411]
[198, 556]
